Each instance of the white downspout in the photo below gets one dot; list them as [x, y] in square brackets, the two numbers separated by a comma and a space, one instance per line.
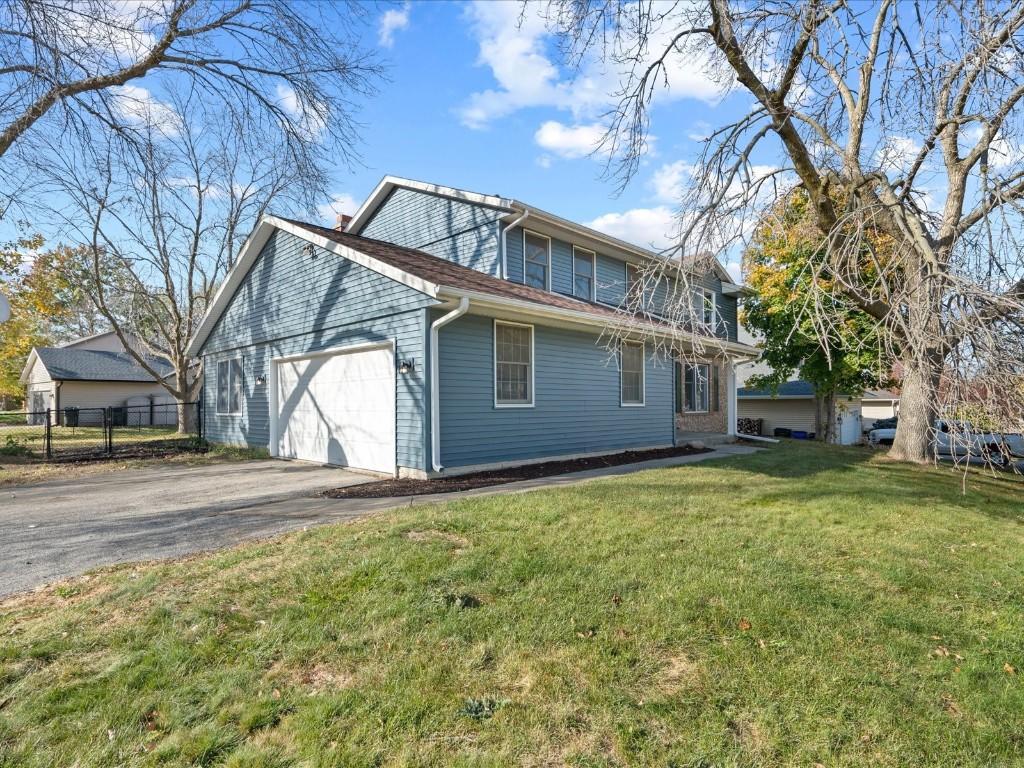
[435, 387]
[730, 378]
[504, 242]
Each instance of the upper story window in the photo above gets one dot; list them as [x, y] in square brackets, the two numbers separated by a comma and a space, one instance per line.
[513, 365]
[705, 308]
[536, 260]
[631, 381]
[634, 284]
[229, 386]
[583, 268]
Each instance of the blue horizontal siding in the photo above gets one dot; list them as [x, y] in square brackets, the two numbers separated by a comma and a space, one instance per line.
[291, 303]
[576, 407]
[462, 232]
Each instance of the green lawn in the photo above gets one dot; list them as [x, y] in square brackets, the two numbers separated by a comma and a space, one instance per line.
[805, 605]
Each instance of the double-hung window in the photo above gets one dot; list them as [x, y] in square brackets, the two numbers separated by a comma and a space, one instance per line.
[631, 372]
[536, 260]
[704, 308]
[229, 386]
[696, 388]
[583, 263]
[513, 365]
[634, 287]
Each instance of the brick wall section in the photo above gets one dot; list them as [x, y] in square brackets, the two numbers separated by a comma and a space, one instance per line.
[713, 421]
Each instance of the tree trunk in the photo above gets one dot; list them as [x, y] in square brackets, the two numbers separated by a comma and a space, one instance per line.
[188, 423]
[825, 417]
[917, 413]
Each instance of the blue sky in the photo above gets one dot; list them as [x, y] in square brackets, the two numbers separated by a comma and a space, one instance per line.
[476, 102]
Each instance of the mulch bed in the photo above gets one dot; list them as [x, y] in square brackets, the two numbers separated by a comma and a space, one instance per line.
[409, 487]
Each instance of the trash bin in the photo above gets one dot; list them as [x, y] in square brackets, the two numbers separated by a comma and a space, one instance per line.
[119, 417]
[70, 417]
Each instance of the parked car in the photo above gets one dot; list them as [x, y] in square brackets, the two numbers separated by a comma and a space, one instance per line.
[961, 440]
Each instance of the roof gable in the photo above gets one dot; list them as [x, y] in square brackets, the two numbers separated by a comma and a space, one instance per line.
[511, 208]
[70, 364]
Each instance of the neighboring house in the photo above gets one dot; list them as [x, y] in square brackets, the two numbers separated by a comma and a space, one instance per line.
[445, 330]
[95, 372]
[792, 408]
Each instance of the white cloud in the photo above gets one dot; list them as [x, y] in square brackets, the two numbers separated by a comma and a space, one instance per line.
[137, 106]
[897, 153]
[544, 161]
[516, 50]
[340, 202]
[668, 181]
[390, 22]
[307, 120]
[646, 227]
[569, 141]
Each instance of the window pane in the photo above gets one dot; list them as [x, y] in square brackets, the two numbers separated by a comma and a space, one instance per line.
[222, 386]
[236, 386]
[536, 261]
[582, 287]
[634, 283]
[583, 276]
[632, 373]
[512, 363]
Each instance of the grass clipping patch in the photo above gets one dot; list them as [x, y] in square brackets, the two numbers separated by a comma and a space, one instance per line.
[803, 605]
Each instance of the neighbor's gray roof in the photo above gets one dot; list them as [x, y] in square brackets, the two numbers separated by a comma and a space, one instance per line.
[786, 389]
[96, 365]
[805, 389]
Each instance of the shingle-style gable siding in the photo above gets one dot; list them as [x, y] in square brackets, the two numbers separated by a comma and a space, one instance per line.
[577, 408]
[463, 232]
[294, 301]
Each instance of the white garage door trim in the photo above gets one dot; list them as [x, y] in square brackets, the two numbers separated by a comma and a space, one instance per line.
[275, 385]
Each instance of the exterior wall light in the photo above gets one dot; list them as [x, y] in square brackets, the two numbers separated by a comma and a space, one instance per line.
[261, 379]
[407, 366]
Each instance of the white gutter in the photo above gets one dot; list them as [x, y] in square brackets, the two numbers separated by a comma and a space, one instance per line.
[435, 394]
[504, 242]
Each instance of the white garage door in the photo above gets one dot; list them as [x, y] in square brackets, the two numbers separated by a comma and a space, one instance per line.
[339, 409]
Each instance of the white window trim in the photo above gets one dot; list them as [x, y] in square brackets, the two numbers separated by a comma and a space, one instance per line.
[593, 274]
[547, 273]
[696, 365]
[216, 390]
[643, 375]
[494, 364]
[714, 308]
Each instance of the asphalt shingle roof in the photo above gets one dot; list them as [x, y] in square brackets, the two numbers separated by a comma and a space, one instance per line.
[442, 272]
[96, 365]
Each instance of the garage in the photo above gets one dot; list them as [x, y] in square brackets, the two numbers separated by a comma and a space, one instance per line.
[337, 407]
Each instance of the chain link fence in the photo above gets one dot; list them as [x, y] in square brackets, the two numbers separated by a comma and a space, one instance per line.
[83, 433]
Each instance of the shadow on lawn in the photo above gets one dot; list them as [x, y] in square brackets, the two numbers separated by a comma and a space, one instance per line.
[850, 473]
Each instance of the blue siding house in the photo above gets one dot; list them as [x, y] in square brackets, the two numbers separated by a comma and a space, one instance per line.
[444, 331]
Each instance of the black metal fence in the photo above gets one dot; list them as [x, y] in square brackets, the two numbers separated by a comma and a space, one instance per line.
[81, 433]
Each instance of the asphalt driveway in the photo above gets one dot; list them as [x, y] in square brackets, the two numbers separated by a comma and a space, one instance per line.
[57, 529]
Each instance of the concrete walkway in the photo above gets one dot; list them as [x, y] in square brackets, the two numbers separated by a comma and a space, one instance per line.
[56, 531]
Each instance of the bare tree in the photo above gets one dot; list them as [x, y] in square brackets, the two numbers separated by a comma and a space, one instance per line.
[78, 66]
[903, 119]
[163, 216]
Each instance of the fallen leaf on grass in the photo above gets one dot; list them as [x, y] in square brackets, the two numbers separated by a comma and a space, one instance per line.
[1009, 669]
[745, 624]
